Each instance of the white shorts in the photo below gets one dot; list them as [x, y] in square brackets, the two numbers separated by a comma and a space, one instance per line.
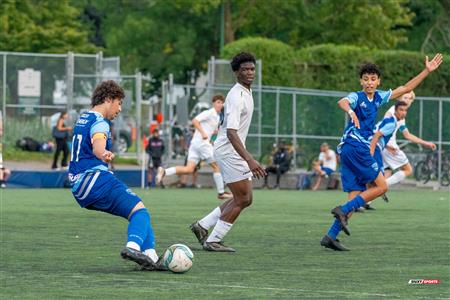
[201, 151]
[394, 161]
[233, 168]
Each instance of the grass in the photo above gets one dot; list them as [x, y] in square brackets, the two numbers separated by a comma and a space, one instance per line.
[52, 249]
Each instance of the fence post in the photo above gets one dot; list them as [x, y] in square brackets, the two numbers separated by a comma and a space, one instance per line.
[440, 144]
[421, 118]
[170, 120]
[99, 67]
[294, 128]
[138, 112]
[69, 79]
[260, 113]
[4, 91]
[277, 116]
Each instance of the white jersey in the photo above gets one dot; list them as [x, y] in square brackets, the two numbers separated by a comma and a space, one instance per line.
[329, 163]
[238, 111]
[209, 120]
[401, 124]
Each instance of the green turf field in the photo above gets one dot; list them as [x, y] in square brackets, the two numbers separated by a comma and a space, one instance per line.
[52, 249]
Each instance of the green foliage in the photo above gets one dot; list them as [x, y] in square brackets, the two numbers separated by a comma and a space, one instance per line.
[42, 26]
[277, 58]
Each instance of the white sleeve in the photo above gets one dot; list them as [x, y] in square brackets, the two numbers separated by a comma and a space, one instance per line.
[203, 116]
[233, 112]
[321, 156]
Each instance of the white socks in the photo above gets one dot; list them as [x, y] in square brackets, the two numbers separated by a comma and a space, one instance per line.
[219, 183]
[219, 231]
[134, 246]
[171, 171]
[396, 178]
[152, 254]
[211, 219]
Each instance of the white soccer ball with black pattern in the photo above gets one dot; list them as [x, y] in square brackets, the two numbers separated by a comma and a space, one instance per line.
[178, 258]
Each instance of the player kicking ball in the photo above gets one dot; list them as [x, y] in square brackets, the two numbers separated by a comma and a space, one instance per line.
[201, 148]
[236, 163]
[96, 188]
[393, 157]
[358, 166]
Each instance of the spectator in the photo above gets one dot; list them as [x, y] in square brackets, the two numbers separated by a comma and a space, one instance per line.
[4, 174]
[281, 162]
[155, 150]
[325, 165]
[61, 132]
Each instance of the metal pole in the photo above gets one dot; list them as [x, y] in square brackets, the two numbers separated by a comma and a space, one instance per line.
[163, 108]
[99, 67]
[138, 112]
[170, 120]
[421, 118]
[4, 91]
[294, 129]
[69, 80]
[277, 115]
[260, 115]
[440, 144]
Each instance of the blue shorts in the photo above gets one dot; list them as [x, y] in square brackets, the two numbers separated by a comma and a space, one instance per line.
[379, 159]
[358, 167]
[327, 170]
[101, 190]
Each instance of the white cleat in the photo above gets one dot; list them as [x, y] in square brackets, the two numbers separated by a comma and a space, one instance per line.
[160, 175]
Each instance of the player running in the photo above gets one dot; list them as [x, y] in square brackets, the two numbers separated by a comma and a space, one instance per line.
[96, 188]
[393, 157]
[201, 148]
[236, 163]
[358, 166]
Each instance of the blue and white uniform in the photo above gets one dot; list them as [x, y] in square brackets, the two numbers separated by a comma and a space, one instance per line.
[387, 127]
[399, 158]
[93, 186]
[358, 167]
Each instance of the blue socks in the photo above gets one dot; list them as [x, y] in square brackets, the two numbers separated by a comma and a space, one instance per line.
[138, 229]
[353, 204]
[334, 229]
[149, 242]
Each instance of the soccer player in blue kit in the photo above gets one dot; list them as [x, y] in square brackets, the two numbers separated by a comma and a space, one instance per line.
[96, 188]
[358, 166]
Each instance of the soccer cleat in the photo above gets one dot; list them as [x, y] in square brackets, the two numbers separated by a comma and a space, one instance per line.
[138, 257]
[158, 266]
[328, 242]
[225, 196]
[385, 198]
[200, 232]
[217, 247]
[160, 175]
[368, 207]
[339, 214]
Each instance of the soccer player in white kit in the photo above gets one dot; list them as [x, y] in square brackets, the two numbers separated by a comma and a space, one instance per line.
[201, 149]
[236, 163]
[393, 157]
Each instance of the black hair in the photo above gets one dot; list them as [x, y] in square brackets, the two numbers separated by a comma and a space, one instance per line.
[369, 68]
[106, 89]
[241, 58]
[400, 103]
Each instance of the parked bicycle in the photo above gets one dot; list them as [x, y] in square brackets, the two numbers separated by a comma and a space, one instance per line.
[427, 169]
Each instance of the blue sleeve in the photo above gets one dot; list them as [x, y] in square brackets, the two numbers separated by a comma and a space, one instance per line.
[352, 99]
[385, 95]
[402, 128]
[387, 127]
[99, 126]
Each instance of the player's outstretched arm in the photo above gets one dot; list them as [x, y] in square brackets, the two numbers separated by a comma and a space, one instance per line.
[430, 66]
[411, 137]
[344, 104]
[257, 170]
[374, 141]
[99, 148]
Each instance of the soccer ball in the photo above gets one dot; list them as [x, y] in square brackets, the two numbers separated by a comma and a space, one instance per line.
[178, 258]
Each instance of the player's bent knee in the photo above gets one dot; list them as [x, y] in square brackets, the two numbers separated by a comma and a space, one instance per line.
[137, 207]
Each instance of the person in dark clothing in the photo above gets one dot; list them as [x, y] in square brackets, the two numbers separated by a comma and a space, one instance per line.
[155, 150]
[61, 132]
[281, 162]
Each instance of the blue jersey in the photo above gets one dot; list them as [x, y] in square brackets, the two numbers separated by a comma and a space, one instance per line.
[366, 110]
[387, 127]
[83, 158]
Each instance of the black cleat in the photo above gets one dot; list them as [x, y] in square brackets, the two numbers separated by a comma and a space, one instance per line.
[159, 266]
[385, 198]
[200, 232]
[217, 247]
[328, 242]
[339, 214]
[368, 207]
[138, 257]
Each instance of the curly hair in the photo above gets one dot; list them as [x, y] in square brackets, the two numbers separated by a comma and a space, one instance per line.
[369, 68]
[400, 103]
[106, 89]
[241, 58]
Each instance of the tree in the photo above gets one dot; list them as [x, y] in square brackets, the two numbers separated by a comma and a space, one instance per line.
[41, 26]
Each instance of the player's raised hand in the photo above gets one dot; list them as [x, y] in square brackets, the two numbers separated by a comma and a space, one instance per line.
[257, 170]
[434, 63]
[107, 156]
